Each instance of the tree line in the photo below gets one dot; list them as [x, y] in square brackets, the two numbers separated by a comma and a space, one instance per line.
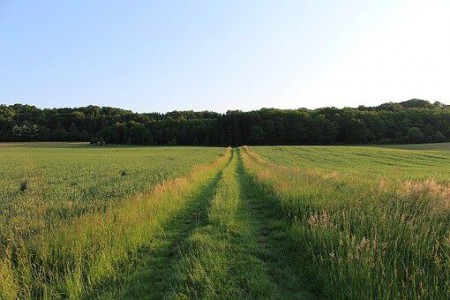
[412, 121]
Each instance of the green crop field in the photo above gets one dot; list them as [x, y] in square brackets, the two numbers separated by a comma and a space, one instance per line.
[283, 222]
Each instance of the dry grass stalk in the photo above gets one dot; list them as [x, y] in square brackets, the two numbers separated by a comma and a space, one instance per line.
[427, 188]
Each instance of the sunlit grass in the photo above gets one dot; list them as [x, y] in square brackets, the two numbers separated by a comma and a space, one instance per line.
[262, 222]
[62, 255]
[220, 260]
[66, 182]
[365, 163]
[362, 237]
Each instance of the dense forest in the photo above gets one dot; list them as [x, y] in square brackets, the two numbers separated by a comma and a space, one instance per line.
[412, 121]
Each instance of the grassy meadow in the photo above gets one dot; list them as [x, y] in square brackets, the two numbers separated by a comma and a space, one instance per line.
[368, 222]
[67, 180]
[47, 190]
[333, 222]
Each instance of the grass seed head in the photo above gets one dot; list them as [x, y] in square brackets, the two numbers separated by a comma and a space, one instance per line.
[428, 188]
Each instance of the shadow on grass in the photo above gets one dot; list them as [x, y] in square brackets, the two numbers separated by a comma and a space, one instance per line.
[155, 269]
[277, 248]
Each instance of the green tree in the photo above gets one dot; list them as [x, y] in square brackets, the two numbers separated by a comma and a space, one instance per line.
[357, 132]
[437, 137]
[415, 135]
[256, 135]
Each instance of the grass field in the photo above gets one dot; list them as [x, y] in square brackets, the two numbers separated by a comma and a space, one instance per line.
[439, 146]
[369, 222]
[62, 182]
[191, 223]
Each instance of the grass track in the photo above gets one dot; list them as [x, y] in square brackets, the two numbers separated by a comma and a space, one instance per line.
[230, 241]
[96, 250]
[223, 261]
[276, 247]
[258, 224]
[156, 264]
[244, 250]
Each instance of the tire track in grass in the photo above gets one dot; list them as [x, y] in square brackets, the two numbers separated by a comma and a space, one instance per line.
[220, 262]
[154, 267]
[230, 242]
[241, 252]
[96, 251]
[272, 231]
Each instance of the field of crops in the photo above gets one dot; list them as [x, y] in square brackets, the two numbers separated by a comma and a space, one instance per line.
[251, 222]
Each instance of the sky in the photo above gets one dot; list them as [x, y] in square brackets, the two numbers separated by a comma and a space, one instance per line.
[159, 56]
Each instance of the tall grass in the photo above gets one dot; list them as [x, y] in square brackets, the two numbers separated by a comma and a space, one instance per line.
[69, 260]
[361, 238]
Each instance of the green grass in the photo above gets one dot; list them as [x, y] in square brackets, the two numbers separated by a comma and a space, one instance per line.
[361, 238]
[49, 250]
[243, 250]
[66, 182]
[436, 146]
[366, 163]
[154, 270]
[228, 242]
[193, 223]
[221, 260]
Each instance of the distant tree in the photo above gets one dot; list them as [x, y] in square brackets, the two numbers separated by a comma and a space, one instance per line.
[409, 121]
[60, 134]
[93, 141]
[138, 134]
[416, 103]
[357, 132]
[299, 132]
[332, 131]
[256, 135]
[437, 137]
[415, 135]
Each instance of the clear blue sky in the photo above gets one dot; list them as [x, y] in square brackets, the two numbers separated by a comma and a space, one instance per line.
[218, 55]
